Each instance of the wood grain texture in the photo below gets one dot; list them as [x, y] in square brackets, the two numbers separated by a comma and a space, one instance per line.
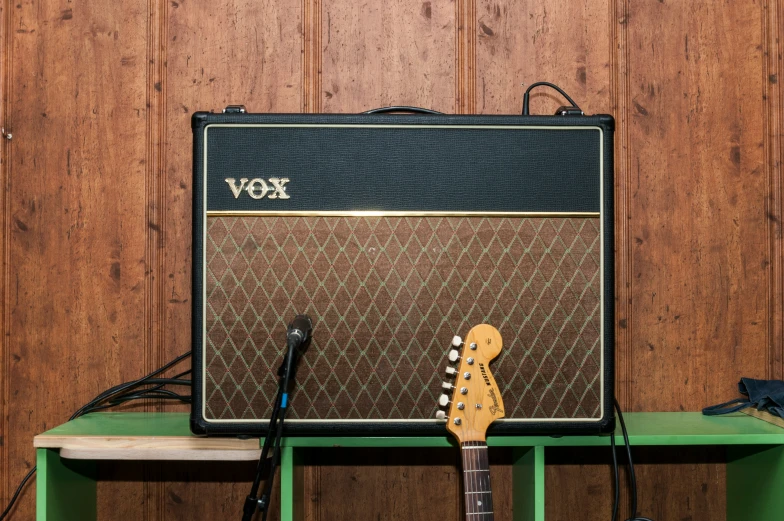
[465, 63]
[673, 483]
[6, 46]
[311, 56]
[151, 448]
[385, 484]
[379, 54]
[567, 43]
[698, 213]
[76, 205]
[693, 158]
[773, 68]
[624, 279]
[155, 212]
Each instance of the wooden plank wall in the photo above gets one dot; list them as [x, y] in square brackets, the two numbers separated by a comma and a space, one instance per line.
[95, 209]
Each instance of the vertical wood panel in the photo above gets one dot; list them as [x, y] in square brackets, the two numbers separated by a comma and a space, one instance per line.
[624, 280]
[578, 485]
[465, 66]
[311, 56]
[698, 212]
[566, 43]
[773, 22]
[388, 53]
[387, 485]
[77, 215]
[155, 211]
[673, 484]
[5, 234]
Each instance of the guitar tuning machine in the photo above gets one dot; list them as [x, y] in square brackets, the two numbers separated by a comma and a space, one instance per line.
[457, 341]
[441, 415]
[451, 371]
[454, 356]
[443, 400]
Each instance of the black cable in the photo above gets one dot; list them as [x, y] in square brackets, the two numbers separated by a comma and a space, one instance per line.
[116, 398]
[168, 395]
[632, 478]
[527, 95]
[18, 491]
[617, 480]
[128, 385]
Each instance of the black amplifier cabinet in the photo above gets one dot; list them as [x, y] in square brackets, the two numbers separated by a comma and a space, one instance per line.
[395, 233]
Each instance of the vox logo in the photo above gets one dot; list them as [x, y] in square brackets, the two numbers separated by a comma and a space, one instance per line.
[272, 188]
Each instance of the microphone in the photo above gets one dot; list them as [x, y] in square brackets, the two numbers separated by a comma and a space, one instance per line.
[297, 336]
[299, 331]
[297, 339]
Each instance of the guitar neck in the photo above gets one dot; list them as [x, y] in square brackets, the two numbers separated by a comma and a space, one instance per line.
[476, 481]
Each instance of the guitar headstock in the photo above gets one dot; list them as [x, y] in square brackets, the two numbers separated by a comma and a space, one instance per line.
[473, 400]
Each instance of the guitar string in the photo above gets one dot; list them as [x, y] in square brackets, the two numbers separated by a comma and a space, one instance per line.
[468, 476]
[488, 507]
[479, 500]
[466, 479]
[482, 457]
[483, 480]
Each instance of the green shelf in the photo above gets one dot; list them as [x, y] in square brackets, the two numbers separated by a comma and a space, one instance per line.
[645, 428]
[755, 459]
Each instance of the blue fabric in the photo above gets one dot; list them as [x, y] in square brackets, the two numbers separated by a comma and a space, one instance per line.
[765, 395]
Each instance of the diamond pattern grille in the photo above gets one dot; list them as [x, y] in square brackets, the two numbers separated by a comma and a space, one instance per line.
[386, 295]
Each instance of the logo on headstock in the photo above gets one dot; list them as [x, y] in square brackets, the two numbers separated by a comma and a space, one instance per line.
[494, 409]
[484, 374]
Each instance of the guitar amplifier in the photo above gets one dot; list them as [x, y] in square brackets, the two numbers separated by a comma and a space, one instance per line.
[395, 233]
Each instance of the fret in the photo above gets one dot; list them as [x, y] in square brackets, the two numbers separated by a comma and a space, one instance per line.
[476, 482]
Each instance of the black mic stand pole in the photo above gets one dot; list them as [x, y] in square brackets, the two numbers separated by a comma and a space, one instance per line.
[274, 435]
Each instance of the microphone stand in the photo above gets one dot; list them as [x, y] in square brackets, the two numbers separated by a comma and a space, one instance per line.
[274, 434]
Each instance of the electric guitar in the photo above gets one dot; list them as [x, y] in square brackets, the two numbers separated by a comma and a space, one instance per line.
[472, 403]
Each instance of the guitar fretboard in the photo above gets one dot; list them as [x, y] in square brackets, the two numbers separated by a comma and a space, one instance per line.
[476, 481]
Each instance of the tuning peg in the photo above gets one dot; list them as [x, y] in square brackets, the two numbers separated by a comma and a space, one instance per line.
[440, 415]
[457, 341]
[454, 356]
[447, 386]
[443, 400]
[451, 371]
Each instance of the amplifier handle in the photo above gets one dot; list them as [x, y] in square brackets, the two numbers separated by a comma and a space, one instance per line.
[411, 110]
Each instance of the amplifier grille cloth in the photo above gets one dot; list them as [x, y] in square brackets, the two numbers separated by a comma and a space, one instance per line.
[386, 295]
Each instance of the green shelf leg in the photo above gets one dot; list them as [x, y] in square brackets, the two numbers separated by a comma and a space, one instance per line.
[291, 484]
[528, 483]
[65, 489]
[755, 477]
